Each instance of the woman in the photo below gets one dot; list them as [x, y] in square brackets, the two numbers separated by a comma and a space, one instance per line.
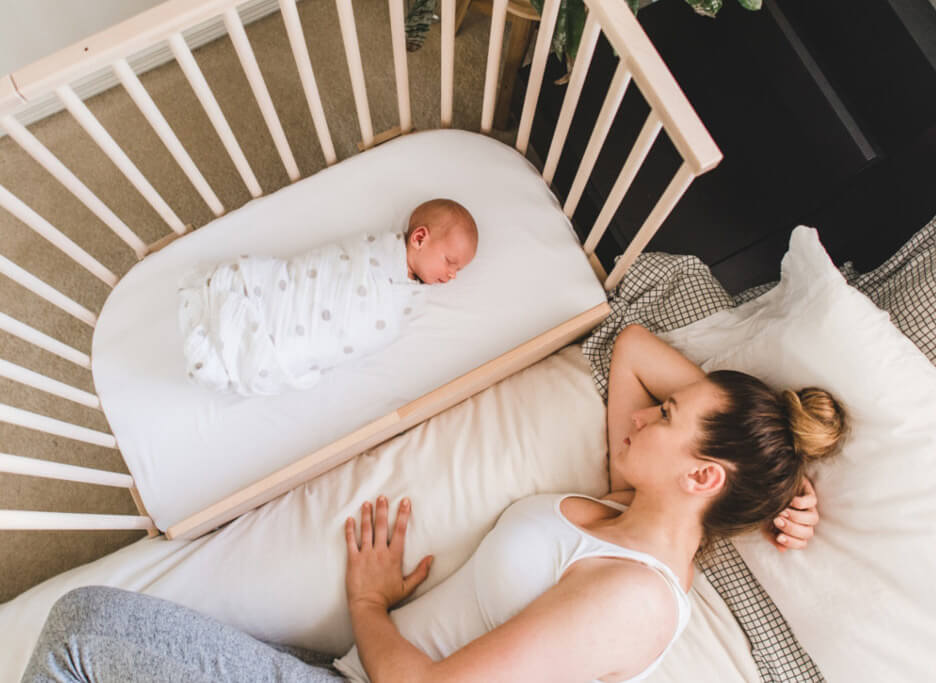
[565, 587]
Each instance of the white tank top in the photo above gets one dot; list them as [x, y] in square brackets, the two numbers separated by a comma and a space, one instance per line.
[524, 555]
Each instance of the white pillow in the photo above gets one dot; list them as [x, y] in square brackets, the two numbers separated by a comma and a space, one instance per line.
[861, 599]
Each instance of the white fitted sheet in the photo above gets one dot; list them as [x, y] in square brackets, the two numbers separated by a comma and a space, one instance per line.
[277, 572]
[187, 447]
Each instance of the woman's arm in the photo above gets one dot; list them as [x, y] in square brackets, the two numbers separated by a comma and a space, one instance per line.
[604, 617]
[645, 370]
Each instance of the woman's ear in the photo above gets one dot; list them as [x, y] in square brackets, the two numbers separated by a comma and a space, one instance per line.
[706, 478]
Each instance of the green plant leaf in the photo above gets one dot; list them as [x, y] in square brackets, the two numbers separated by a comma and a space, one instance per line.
[575, 23]
[752, 5]
[418, 21]
[634, 5]
[707, 8]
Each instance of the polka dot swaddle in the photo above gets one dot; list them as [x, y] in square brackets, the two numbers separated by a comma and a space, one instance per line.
[261, 325]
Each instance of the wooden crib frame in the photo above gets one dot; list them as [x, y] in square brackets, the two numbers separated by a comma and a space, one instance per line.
[639, 63]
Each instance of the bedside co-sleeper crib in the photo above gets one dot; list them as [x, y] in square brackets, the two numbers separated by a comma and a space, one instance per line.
[197, 459]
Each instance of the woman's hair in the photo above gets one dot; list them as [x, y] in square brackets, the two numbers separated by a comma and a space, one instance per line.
[764, 440]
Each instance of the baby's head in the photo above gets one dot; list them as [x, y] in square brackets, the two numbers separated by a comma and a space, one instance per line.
[441, 239]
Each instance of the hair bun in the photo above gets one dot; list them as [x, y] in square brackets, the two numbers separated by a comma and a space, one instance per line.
[817, 421]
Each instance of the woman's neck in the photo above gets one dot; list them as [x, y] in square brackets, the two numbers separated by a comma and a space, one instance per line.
[668, 529]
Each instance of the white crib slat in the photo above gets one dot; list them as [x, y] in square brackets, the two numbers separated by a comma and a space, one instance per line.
[306, 76]
[49, 162]
[15, 205]
[609, 109]
[18, 208]
[495, 46]
[540, 54]
[149, 109]
[24, 418]
[110, 147]
[356, 69]
[196, 79]
[248, 60]
[674, 191]
[32, 467]
[398, 37]
[71, 521]
[635, 159]
[43, 341]
[53, 296]
[47, 384]
[573, 91]
[448, 61]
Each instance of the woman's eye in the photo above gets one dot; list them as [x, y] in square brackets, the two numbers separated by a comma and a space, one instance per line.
[663, 412]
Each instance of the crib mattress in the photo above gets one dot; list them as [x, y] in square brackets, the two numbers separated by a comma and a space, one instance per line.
[188, 447]
[278, 572]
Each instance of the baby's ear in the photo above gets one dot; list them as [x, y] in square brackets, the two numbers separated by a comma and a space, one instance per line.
[419, 235]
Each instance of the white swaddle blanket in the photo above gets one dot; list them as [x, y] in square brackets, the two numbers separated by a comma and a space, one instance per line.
[262, 325]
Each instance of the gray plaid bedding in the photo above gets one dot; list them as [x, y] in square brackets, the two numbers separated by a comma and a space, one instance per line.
[663, 292]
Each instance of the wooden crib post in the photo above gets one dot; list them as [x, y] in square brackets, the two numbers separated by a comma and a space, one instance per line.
[51, 386]
[609, 109]
[24, 418]
[398, 38]
[15, 205]
[495, 46]
[43, 341]
[255, 78]
[447, 73]
[47, 160]
[573, 91]
[307, 77]
[674, 191]
[196, 79]
[149, 109]
[537, 69]
[93, 127]
[635, 159]
[356, 69]
[50, 294]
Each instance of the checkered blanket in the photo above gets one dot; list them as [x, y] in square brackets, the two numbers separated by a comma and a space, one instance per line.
[663, 292]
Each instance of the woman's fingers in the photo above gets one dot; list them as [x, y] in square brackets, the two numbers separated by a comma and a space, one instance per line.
[350, 536]
[806, 498]
[417, 576]
[380, 523]
[787, 527]
[367, 531]
[807, 517]
[402, 519]
[786, 541]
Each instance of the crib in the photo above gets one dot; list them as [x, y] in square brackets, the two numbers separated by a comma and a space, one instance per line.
[115, 49]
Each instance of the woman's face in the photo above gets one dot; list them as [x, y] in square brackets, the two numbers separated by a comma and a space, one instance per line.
[661, 442]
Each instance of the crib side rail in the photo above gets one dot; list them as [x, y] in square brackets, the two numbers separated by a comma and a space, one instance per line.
[35, 520]
[639, 63]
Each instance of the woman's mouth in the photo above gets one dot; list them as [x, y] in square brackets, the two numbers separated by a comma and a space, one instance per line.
[627, 441]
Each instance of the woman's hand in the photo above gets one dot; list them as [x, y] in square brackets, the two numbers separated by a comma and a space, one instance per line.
[796, 525]
[375, 566]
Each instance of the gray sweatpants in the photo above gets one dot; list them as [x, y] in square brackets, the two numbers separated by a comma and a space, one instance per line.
[99, 634]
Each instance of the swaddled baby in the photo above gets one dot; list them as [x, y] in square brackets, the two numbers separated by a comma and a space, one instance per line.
[261, 325]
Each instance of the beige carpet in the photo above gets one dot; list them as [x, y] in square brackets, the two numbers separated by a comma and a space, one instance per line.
[27, 558]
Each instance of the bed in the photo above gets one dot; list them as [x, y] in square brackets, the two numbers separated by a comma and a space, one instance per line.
[277, 571]
[198, 460]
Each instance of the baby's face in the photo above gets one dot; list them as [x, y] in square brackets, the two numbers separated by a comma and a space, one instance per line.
[435, 255]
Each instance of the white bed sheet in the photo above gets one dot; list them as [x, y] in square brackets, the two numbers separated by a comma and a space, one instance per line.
[188, 447]
[278, 571]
